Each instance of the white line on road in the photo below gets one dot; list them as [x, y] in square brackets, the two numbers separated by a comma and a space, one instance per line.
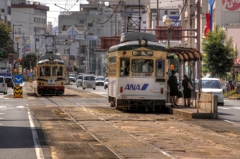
[37, 145]
[222, 108]
[235, 107]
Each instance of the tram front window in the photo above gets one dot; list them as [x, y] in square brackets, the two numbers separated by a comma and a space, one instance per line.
[142, 67]
[57, 71]
[45, 71]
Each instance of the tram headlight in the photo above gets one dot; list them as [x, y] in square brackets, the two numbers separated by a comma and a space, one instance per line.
[142, 42]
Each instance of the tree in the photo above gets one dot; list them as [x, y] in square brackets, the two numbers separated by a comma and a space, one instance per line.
[26, 63]
[219, 53]
[6, 42]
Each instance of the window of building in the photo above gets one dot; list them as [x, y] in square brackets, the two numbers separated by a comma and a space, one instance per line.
[81, 21]
[144, 22]
[9, 10]
[90, 24]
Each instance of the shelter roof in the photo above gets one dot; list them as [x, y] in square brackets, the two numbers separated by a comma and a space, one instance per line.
[186, 53]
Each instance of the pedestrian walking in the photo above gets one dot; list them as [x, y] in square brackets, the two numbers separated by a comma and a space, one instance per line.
[186, 82]
[228, 88]
[173, 84]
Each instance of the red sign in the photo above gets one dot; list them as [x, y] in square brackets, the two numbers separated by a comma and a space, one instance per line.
[231, 5]
[10, 59]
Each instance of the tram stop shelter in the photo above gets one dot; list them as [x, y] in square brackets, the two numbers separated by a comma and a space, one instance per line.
[190, 63]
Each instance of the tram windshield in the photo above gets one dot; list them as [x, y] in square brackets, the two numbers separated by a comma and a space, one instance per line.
[57, 71]
[142, 65]
[45, 71]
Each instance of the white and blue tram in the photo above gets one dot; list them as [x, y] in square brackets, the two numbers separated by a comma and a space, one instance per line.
[137, 73]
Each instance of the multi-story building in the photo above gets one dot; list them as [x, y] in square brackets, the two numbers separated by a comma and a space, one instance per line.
[5, 11]
[5, 16]
[29, 23]
[98, 20]
[227, 14]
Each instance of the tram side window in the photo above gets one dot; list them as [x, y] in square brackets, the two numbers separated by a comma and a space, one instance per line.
[45, 71]
[57, 71]
[160, 68]
[124, 66]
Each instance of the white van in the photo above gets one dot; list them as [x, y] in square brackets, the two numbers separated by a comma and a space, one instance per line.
[213, 85]
[79, 80]
[88, 81]
[3, 85]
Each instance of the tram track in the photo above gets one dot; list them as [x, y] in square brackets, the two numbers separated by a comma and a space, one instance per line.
[113, 150]
[84, 128]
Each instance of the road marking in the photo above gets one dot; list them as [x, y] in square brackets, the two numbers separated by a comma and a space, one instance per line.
[36, 141]
[222, 108]
[19, 106]
[2, 113]
[235, 107]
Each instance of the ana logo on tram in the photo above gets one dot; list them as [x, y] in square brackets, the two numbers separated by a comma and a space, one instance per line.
[136, 87]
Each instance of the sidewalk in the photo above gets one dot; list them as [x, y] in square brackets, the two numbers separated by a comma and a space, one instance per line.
[234, 97]
[189, 112]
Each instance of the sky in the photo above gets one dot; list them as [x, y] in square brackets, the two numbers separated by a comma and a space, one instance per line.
[54, 11]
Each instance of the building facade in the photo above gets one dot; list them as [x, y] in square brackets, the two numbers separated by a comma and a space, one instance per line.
[29, 23]
[5, 11]
[227, 14]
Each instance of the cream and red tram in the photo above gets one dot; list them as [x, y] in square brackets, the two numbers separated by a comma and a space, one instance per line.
[137, 73]
[49, 75]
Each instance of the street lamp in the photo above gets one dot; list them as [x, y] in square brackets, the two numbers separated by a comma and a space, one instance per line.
[168, 23]
[17, 38]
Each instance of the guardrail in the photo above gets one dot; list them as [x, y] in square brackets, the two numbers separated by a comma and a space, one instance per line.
[207, 101]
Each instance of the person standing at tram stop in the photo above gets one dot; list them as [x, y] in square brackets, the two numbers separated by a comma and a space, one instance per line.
[145, 66]
[173, 84]
[186, 90]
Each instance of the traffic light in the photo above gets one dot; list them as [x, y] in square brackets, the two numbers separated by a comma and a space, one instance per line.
[1, 52]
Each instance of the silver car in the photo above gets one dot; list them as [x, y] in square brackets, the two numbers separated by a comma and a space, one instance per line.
[3, 85]
[88, 82]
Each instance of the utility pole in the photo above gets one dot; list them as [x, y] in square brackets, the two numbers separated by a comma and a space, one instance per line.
[35, 46]
[139, 18]
[68, 58]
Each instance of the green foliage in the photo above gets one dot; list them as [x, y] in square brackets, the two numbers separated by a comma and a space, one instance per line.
[5, 39]
[76, 68]
[26, 63]
[220, 55]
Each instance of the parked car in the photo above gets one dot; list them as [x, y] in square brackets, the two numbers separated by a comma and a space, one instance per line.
[213, 85]
[3, 85]
[79, 80]
[9, 81]
[88, 81]
[99, 81]
[106, 83]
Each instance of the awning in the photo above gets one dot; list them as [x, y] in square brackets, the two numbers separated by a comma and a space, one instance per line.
[185, 53]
